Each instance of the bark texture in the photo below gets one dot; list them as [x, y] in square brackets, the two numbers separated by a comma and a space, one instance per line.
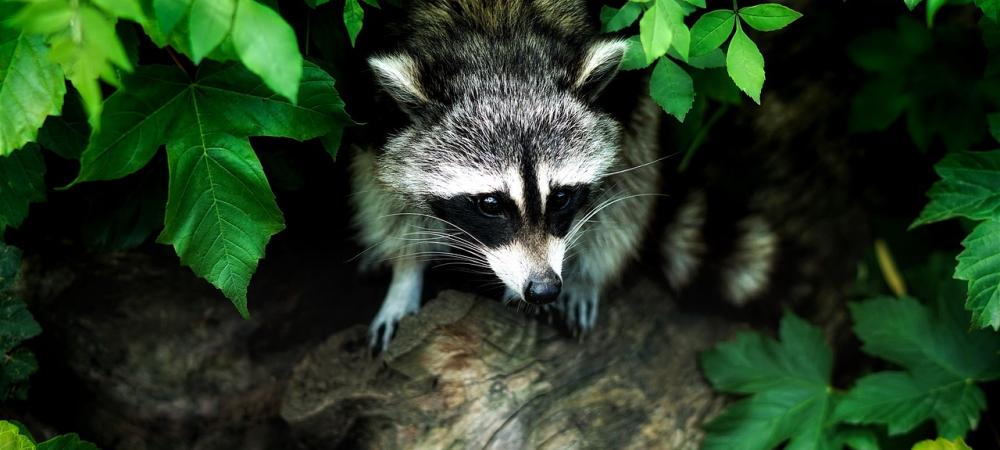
[467, 373]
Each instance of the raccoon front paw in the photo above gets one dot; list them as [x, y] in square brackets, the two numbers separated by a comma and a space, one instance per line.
[383, 328]
[579, 310]
[402, 298]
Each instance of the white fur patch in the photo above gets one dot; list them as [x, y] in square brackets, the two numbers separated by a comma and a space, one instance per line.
[747, 272]
[515, 188]
[510, 264]
[601, 57]
[683, 244]
[514, 264]
[556, 254]
[398, 75]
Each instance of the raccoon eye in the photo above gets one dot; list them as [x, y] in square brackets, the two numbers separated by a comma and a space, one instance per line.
[489, 205]
[559, 199]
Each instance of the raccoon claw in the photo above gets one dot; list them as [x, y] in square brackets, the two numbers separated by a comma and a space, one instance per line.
[379, 335]
[383, 328]
[580, 312]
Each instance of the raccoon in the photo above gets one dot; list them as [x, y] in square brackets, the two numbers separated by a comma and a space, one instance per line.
[505, 163]
[510, 161]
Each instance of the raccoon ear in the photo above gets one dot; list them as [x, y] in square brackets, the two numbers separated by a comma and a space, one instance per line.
[399, 75]
[599, 66]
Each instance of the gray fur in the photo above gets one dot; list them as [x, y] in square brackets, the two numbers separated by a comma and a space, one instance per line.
[488, 92]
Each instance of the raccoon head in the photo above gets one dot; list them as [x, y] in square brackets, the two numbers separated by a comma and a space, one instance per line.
[509, 160]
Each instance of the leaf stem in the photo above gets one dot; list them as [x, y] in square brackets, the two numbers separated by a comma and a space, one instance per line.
[889, 270]
[177, 61]
[699, 138]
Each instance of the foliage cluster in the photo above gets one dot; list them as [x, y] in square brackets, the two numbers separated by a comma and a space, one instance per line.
[790, 392]
[250, 80]
[665, 39]
[239, 73]
[937, 362]
[16, 326]
[13, 436]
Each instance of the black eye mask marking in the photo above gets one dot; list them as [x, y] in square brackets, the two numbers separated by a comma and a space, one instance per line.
[492, 224]
[560, 208]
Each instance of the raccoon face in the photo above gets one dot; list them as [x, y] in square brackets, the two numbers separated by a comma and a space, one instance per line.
[510, 164]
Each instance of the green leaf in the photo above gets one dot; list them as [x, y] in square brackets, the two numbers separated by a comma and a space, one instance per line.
[15, 437]
[169, 13]
[91, 59]
[125, 9]
[16, 326]
[769, 16]
[711, 30]
[10, 265]
[671, 87]
[912, 3]
[711, 60]
[31, 87]
[942, 363]
[878, 104]
[716, 85]
[246, 30]
[146, 112]
[220, 210]
[979, 264]
[266, 45]
[22, 182]
[82, 40]
[891, 51]
[790, 386]
[745, 65]
[354, 17]
[316, 3]
[967, 188]
[66, 442]
[856, 439]
[655, 32]
[932, 8]
[12, 439]
[613, 19]
[635, 57]
[990, 8]
[994, 122]
[126, 217]
[942, 444]
[698, 3]
[67, 134]
[209, 22]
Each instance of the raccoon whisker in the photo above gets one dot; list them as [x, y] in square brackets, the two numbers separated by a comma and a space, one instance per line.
[432, 256]
[432, 241]
[442, 220]
[452, 238]
[463, 270]
[604, 205]
[458, 242]
[494, 283]
[618, 172]
[445, 255]
[366, 250]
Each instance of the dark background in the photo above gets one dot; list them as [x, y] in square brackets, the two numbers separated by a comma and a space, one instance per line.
[137, 352]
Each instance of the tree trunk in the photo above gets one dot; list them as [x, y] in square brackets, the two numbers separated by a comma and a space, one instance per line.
[468, 373]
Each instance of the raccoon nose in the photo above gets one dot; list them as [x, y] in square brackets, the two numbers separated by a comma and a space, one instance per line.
[543, 290]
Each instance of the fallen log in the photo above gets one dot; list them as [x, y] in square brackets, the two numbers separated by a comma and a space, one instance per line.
[468, 373]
